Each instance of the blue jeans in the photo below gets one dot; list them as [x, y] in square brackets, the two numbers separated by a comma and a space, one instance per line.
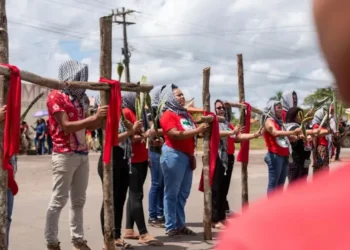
[156, 192]
[177, 186]
[10, 200]
[278, 170]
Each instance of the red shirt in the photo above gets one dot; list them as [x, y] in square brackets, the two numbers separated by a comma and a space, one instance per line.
[140, 152]
[272, 145]
[308, 216]
[170, 120]
[62, 142]
[284, 115]
[231, 142]
[321, 140]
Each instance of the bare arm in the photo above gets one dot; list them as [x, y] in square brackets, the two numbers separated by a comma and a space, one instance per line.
[314, 132]
[247, 137]
[269, 126]
[225, 133]
[182, 135]
[73, 126]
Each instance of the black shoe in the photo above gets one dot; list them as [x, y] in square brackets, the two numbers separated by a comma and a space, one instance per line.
[161, 221]
[154, 223]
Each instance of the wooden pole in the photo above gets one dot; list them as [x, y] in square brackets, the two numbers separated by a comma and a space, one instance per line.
[106, 72]
[206, 140]
[244, 166]
[241, 105]
[55, 84]
[4, 83]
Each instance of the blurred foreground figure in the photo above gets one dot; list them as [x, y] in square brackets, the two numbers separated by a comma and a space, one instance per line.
[308, 215]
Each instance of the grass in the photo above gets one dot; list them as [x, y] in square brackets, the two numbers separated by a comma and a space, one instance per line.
[254, 144]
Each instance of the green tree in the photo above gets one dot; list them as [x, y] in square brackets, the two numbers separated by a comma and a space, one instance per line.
[277, 96]
[318, 95]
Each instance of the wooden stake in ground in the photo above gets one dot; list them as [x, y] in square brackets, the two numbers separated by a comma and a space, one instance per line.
[244, 168]
[206, 141]
[106, 72]
[4, 83]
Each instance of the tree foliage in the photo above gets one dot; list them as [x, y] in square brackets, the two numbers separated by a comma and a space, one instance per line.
[277, 97]
[318, 95]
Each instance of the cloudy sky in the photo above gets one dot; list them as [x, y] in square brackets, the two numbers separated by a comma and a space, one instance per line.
[173, 40]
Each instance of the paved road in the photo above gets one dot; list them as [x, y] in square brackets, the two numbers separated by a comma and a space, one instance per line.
[34, 178]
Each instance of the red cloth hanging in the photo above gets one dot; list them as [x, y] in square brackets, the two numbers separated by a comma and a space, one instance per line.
[12, 124]
[213, 149]
[113, 117]
[243, 154]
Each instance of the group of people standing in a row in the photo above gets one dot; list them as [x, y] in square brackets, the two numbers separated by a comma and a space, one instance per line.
[170, 157]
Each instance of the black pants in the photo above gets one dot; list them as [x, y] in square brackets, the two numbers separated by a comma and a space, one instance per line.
[120, 187]
[218, 193]
[227, 179]
[337, 149]
[134, 213]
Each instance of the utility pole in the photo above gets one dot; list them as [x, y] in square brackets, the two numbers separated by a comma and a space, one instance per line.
[125, 50]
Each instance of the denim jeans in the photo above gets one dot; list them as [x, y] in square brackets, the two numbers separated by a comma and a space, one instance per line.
[156, 192]
[278, 170]
[10, 200]
[177, 186]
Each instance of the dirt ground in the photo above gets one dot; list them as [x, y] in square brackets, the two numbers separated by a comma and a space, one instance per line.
[35, 181]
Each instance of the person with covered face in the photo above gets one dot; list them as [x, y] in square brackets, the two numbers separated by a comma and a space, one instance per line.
[68, 117]
[321, 144]
[156, 192]
[278, 145]
[224, 165]
[300, 161]
[177, 159]
[289, 100]
[137, 176]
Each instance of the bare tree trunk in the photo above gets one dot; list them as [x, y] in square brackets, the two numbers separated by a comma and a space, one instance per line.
[244, 168]
[23, 116]
[106, 72]
[4, 82]
[206, 140]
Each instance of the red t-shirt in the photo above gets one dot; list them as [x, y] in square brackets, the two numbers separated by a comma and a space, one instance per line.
[231, 141]
[308, 216]
[272, 145]
[62, 142]
[321, 140]
[284, 115]
[170, 120]
[140, 152]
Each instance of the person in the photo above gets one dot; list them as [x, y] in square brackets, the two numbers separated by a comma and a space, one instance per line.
[48, 137]
[25, 139]
[224, 166]
[156, 192]
[177, 159]
[321, 144]
[289, 100]
[70, 163]
[121, 165]
[300, 160]
[278, 145]
[137, 177]
[39, 139]
[318, 210]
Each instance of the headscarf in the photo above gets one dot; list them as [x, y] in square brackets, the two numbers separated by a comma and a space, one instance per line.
[318, 117]
[287, 100]
[129, 100]
[270, 110]
[155, 95]
[171, 103]
[75, 71]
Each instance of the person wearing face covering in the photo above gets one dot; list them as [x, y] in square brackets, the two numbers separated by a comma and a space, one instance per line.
[137, 177]
[177, 159]
[289, 100]
[278, 145]
[224, 165]
[156, 192]
[68, 120]
[317, 212]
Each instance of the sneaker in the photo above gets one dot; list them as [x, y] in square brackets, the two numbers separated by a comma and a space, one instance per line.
[154, 223]
[54, 247]
[162, 221]
[81, 245]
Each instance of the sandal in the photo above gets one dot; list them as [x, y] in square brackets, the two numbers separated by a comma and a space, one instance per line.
[129, 234]
[186, 231]
[149, 240]
[121, 243]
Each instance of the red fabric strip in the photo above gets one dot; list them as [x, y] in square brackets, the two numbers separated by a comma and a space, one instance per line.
[243, 154]
[113, 117]
[12, 124]
[213, 149]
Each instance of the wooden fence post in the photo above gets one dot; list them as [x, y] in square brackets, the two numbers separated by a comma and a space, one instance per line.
[206, 140]
[106, 72]
[244, 166]
[4, 83]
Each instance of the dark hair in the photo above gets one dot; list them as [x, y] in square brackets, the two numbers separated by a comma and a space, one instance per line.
[218, 100]
[292, 114]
